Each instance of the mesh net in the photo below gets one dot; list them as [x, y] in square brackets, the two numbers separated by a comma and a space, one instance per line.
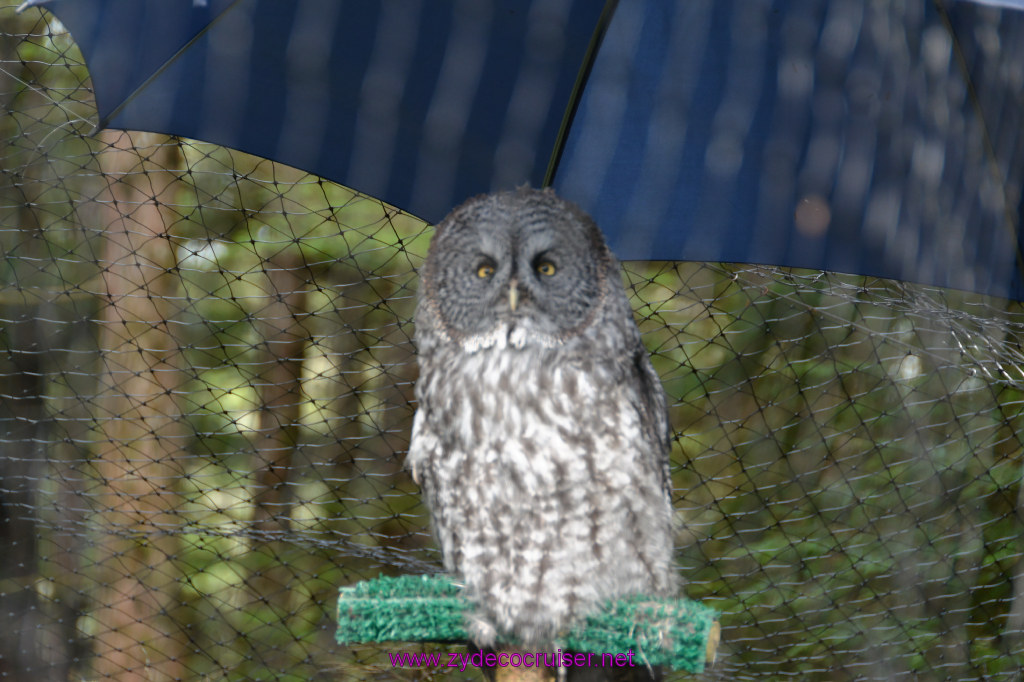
[206, 399]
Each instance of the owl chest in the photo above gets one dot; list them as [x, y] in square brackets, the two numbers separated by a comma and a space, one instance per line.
[532, 421]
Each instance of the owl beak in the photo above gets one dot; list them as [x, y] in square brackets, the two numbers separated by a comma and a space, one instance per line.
[513, 295]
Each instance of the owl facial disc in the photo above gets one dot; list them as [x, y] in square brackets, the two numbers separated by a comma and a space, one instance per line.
[523, 265]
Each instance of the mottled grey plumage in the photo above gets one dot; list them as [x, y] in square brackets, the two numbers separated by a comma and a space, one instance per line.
[541, 438]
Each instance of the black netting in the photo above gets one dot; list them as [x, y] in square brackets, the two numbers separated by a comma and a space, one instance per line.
[206, 396]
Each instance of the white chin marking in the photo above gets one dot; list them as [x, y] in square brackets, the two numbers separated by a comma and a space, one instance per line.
[500, 338]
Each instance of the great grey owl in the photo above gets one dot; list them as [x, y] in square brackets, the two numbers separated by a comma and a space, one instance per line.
[541, 436]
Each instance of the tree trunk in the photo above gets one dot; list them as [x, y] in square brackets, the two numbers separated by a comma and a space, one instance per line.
[284, 339]
[21, 414]
[139, 448]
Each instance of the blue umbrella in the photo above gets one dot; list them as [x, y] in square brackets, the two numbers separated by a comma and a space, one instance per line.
[867, 138]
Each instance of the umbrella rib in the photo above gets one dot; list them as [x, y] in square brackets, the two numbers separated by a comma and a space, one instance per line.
[577, 89]
[156, 74]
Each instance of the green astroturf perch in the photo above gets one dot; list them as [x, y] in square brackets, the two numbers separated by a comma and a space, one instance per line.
[676, 633]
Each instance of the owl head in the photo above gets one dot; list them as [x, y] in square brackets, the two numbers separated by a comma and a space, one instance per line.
[520, 268]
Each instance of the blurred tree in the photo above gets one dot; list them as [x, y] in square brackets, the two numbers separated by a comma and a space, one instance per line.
[22, 417]
[140, 444]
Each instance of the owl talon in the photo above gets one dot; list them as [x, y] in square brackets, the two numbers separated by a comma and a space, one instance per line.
[481, 632]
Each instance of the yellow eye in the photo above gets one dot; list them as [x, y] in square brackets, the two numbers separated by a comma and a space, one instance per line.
[547, 269]
[484, 271]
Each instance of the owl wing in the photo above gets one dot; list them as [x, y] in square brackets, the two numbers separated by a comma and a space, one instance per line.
[426, 450]
[648, 398]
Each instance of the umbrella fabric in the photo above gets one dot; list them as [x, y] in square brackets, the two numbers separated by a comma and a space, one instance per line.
[880, 139]
[872, 138]
[421, 104]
